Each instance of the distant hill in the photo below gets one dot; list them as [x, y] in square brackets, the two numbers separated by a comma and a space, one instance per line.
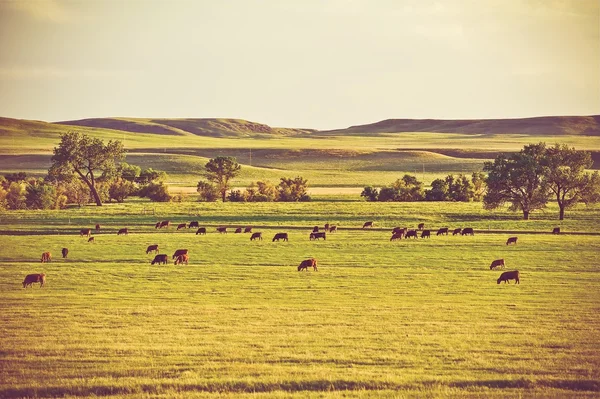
[548, 125]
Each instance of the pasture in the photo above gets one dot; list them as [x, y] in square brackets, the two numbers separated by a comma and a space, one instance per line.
[420, 317]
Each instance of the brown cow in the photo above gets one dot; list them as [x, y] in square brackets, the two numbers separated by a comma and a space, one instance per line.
[222, 230]
[34, 278]
[397, 236]
[91, 239]
[315, 229]
[411, 233]
[164, 223]
[181, 259]
[556, 230]
[332, 229]
[157, 225]
[511, 240]
[305, 264]
[238, 230]
[123, 231]
[97, 227]
[65, 252]
[162, 258]
[497, 263]
[201, 230]
[426, 234]
[193, 224]
[443, 230]
[468, 231]
[256, 236]
[316, 236]
[248, 229]
[46, 257]
[399, 230]
[181, 226]
[280, 236]
[514, 275]
[421, 226]
[456, 231]
[85, 232]
[152, 248]
[367, 224]
[326, 227]
[180, 252]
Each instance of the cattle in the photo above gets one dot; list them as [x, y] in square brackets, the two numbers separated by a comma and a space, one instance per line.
[181, 226]
[280, 236]
[85, 232]
[222, 230]
[152, 248]
[248, 229]
[164, 223]
[201, 230]
[65, 252]
[397, 235]
[160, 259]
[180, 252]
[315, 229]
[97, 227]
[497, 263]
[332, 229]
[556, 230]
[514, 275]
[411, 233]
[91, 239]
[34, 278]
[256, 236]
[326, 227]
[181, 259]
[399, 230]
[157, 225]
[421, 226]
[443, 230]
[238, 230]
[467, 231]
[305, 264]
[316, 236]
[123, 231]
[456, 231]
[46, 257]
[193, 224]
[367, 224]
[426, 234]
[511, 240]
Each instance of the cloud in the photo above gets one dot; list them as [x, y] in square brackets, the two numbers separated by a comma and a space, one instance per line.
[17, 73]
[43, 10]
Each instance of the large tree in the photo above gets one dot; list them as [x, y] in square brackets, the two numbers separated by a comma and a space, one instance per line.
[220, 171]
[517, 179]
[86, 157]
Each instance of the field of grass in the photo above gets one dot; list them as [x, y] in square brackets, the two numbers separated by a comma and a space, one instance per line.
[387, 319]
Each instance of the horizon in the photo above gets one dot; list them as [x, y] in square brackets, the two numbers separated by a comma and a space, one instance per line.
[317, 64]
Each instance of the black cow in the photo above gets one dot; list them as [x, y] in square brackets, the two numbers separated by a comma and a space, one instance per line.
[421, 226]
[411, 233]
[468, 231]
[34, 278]
[160, 259]
[193, 224]
[397, 235]
[443, 230]
[248, 229]
[181, 226]
[511, 240]
[556, 230]
[497, 263]
[332, 229]
[315, 229]
[316, 236]
[65, 252]
[201, 230]
[514, 275]
[222, 230]
[456, 231]
[180, 252]
[256, 236]
[426, 234]
[152, 248]
[238, 230]
[122, 231]
[280, 236]
[367, 224]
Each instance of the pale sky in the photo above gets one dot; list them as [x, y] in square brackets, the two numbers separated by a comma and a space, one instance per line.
[319, 64]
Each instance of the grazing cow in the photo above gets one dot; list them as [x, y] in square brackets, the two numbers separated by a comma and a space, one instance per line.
[34, 278]
[181, 226]
[91, 239]
[97, 227]
[65, 252]
[511, 240]
[238, 230]
[248, 229]
[443, 230]
[152, 248]
[181, 259]
[397, 236]
[514, 275]
[456, 231]
[201, 230]
[398, 230]
[305, 264]
[426, 234]
[85, 232]
[222, 230]
[316, 236]
[315, 229]
[46, 257]
[556, 230]
[256, 236]
[160, 259]
[326, 227]
[421, 226]
[179, 252]
[332, 229]
[193, 224]
[468, 231]
[497, 263]
[367, 224]
[157, 225]
[164, 223]
[411, 233]
[123, 231]
[280, 236]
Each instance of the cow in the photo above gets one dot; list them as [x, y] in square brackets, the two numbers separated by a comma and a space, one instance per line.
[157, 225]
[160, 259]
[497, 263]
[443, 230]
[91, 239]
[332, 229]
[123, 231]
[256, 236]
[514, 275]
[180, 252]
[164, 223]
[316, 236]
[280, 236]
[315, 229]
[181, 259]
[85, 232]
[248, 229]
[367, 224]
[238, 230]
[181, 226]
[456, 231]
[556, 230]
[152, 248]
[305, 264]
[426, 234]
[411, 233]
[222, 230]
[421, 226]
[511, 240]
[399, 230]
[467, 231]
[397, 236]
[97, 227]
[326, 227]
[46, 257]
[34, 278]
[193, 224]
[65, 252]
[201, 230]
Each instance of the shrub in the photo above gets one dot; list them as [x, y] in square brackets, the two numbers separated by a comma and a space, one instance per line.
[157, 192]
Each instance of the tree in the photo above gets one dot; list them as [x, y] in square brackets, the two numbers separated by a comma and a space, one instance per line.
[564, 175]
[86, 157]
[120, 188]
[208, 192]
[261, 191]
[157, 192]
[15, 196]
[293, 190]
[438, 192]
[221, 170]
[408, 188]
[370, 193]
[479, 186]
[150, 175]
[517, 179]
[591, 191]
[40, 195]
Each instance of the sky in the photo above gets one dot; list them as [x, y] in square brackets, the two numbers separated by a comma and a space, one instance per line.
[320, 64]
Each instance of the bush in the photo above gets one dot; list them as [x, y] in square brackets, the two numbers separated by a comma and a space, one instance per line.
[157, 192]
[119, 189]
[236, 196]
[207, 191]
[15, 196]
[39, 195]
